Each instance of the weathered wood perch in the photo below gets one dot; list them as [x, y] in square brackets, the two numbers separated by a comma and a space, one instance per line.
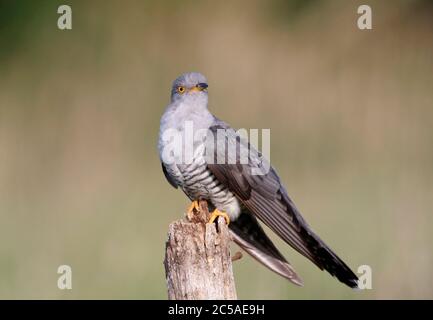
[197, 259]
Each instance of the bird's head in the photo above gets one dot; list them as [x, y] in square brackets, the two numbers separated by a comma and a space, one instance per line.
[190, 87]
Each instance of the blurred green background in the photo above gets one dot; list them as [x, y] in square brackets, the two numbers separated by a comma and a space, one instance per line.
[350, 113]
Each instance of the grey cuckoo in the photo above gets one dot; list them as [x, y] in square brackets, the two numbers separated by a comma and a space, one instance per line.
[233, 190]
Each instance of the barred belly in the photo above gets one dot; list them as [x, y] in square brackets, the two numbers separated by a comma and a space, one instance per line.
[200, 183]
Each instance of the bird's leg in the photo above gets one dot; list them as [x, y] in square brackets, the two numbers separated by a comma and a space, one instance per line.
[194, 206]
[216, 213]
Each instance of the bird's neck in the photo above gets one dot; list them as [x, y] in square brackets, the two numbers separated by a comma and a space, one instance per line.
[178, 114]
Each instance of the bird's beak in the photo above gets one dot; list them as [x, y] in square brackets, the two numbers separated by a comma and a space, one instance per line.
[199, 87]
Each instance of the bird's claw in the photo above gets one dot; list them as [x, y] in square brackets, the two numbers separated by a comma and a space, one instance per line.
[216, 213]
[194, 206]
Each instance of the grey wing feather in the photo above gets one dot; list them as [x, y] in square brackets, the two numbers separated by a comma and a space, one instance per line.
[265, 197]
[168, 177]
[250, 236]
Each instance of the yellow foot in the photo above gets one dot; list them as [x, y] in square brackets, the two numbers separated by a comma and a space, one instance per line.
[218, 213]
[194, 206]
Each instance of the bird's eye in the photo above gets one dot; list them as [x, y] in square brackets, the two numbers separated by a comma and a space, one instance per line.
[181, 89]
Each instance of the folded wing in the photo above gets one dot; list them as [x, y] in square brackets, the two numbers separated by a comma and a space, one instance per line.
[264, 196]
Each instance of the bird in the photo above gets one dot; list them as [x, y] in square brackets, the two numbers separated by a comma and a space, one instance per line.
[233, 190]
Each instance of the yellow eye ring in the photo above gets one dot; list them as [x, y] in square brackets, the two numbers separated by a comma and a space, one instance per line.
[181, 89]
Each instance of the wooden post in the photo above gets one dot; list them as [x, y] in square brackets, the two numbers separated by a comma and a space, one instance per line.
[197, 259]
